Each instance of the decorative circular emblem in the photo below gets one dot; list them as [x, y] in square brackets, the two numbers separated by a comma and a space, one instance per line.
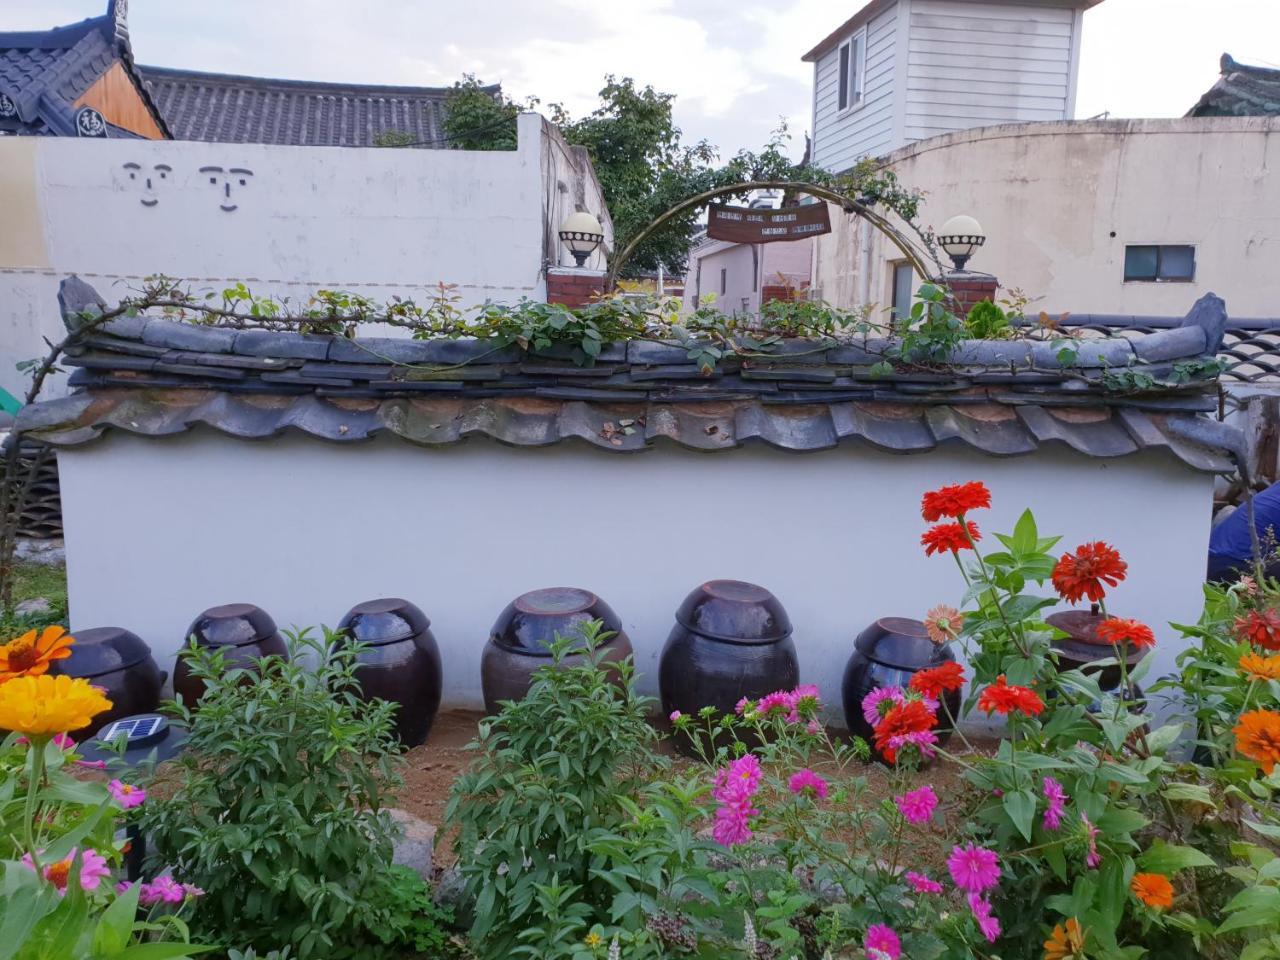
[7, 107]
[89, 123]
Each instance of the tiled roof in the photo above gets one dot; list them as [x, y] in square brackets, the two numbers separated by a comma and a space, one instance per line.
[232, 109]
[159, 377]
[1241, 91]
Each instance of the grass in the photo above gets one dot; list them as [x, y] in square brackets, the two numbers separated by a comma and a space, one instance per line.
[31, 580]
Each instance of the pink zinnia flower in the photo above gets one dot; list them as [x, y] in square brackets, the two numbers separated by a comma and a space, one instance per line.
[922, 884]
[92, 764]
[987, 922]
[161, 890]
[1092, 858]
[675, 715]
[808, 783]
[779, 701]
[813, 727]
[872, 702]
[732, 826]
[192, 891]
[93, 867]
[743, 706]
[804, 702]
[923, 740]
[1057, 800]
[882, 943]
[917, 806]
[127, 795]
[973, 868]
[741, 776]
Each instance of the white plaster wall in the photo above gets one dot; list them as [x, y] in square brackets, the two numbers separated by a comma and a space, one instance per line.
[1060, 201]
[377, 221]
[157, 530]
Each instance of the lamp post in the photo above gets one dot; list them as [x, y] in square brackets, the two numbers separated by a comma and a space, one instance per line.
[960, 237]
[581, 234]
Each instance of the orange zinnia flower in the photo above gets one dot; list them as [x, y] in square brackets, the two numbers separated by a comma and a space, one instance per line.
[1118, 630]
[1082, 574]
[943, 623]
[933, 682]
[29, 655]
[955, 500]
[1258, 738]
[1153, 889]
[904, 719]
[1260, 667]
[949, 536]
[1004, 697]
[1066, 942]
[1261, 628]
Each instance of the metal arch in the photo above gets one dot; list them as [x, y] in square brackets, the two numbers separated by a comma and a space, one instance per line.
[846, 203]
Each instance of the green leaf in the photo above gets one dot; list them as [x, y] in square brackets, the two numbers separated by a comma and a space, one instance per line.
[1020, 805]
[1168, 858]
[115, 926]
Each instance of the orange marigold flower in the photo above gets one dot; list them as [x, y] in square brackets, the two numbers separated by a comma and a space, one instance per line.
[949, 537]
[932, 683]
[955, 500]
[1004, 697]
[1258, 738]
[904, 719]
[1082, 574]
[1260, 667]
[1153, 889]
[1118, 630]
[1066, 942]
[29, 655]
[1261, 628]
[943, 623]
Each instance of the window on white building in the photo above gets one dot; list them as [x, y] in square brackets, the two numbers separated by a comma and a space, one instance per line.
[903, 281]
[1160, 263]
[852, 59]
[724, 280]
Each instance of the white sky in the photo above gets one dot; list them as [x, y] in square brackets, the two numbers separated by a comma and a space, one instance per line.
[733, 64]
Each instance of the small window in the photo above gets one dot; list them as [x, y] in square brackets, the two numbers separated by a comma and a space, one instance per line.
[903, 280]
[724, 280]
[1160, 263]
[852, 59]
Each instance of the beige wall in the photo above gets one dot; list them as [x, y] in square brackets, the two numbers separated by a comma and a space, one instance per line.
[1059, 202]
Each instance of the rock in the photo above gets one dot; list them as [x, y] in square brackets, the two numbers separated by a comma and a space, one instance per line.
[414, 846]
[36, 606]
[49, 553]
[450, 888]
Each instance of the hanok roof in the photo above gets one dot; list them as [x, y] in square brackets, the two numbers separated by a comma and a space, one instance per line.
[1241, 91]
[156, 378]
[232, 109]
[44, 73]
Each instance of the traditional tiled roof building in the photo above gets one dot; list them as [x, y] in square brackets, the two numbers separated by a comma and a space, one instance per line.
[1241, 91]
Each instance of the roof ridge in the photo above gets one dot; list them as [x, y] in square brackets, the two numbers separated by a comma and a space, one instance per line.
[150, 72]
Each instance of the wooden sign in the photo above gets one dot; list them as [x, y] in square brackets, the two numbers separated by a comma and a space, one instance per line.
[752, 225]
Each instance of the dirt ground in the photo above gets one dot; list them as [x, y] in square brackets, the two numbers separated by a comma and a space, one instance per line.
[432, 768]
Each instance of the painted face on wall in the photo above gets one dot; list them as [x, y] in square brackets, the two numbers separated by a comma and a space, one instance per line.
[149, 183]
[227, 180]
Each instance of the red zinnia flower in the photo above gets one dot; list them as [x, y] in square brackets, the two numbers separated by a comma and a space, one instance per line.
[954, 500]
[933, 682]
[903, 719]
[1005, 697]
[949, 536]
[1082, 574]
[1118, 630]
[1261, 628]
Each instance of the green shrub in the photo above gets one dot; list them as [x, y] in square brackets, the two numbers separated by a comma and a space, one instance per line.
[277, 807]
[986, 321]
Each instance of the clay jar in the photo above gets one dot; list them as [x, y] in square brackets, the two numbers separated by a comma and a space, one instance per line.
[121, 664]
[887, 654]
[245, 632]
[520, 640]
[731, 640]
[400, 663]
[1082, 645]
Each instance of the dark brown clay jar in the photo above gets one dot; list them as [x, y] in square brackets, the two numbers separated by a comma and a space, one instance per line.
[888, 653]
[400, 663]
[520, 640]
[245, 632]
[121, 664]
[1082, 646]
[731, 640]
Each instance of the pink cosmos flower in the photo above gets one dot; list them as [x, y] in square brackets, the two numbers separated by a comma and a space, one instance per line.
[808, 783]
[162, 889]
[743, 706]
[804, 702]
[872, 703]
[1057, 799]
[921, 883]
[780, 701]
[882, 943]
[917, 806]
[973, 868]
[93, 867]
[127, 795]
[987, 921]
[192, 891]
[813, 727]
[675, 715]
[1092, 859]
[923, 740]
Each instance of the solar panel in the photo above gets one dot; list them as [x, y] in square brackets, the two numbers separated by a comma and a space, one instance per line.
[132, 728]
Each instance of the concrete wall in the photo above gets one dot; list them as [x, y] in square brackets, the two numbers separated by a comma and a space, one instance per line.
[1059, 202]
[444, 529]
[285, 220]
